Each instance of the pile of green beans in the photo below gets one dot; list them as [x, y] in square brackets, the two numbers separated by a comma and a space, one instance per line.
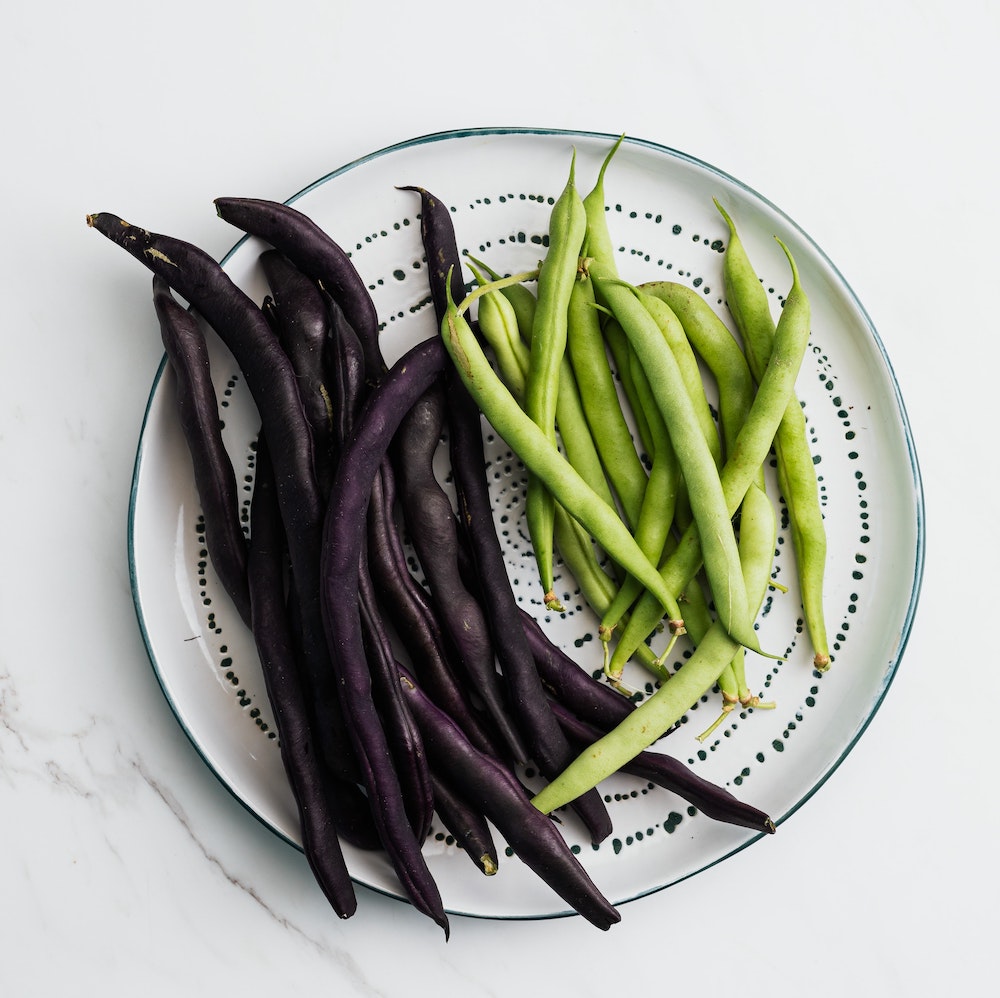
[648, 473]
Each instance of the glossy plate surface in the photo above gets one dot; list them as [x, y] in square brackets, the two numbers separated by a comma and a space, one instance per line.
[500, 184]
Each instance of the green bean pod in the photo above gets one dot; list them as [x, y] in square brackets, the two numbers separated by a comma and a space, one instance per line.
[567, 228]
[656, 515]
[612, 436]
[645, 724]
[599, 244]
[718, 545]
[745, 460]
[712, 656]
[715, 344]
[687, 364]
[751, 312]
[542, 457]
[621, 354]
[503, 329]
[500, 322]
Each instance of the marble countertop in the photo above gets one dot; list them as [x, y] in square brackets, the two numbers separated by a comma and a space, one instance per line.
[126, 865]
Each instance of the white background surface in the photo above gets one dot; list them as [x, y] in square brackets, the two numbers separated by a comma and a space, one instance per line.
[125, 867]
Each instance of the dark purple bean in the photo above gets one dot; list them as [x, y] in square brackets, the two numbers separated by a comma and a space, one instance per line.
[589, 698]
[402, 735]
[493, 789]
[346, 402]
[198, 411]
[315, 254]
[312, 792]
[431, 521]
[414, 617]
[548, 746]
[269, 376]
[343, 536]
[302, 319]
[671, 774]
[466, 825]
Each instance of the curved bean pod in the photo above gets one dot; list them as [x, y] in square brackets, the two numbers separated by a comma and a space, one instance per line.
[415, 619]
[198, 410]
[743, 464]
[567, 227]
[546, 743]
[311, 789]
[302, 318]
[433, 530]
[543, 458]
[610, 431]
[659, 501]
[599, 244]
[270, 378]
[714, 527]
[315, 254]
[751, 312]
[495, 791]
[344, 529]
[665, 771]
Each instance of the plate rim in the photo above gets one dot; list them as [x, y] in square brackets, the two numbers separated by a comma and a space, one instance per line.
[918, 497]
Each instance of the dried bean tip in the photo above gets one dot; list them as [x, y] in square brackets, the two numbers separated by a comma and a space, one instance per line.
[489, 867]
[821, 662]
[553, 603]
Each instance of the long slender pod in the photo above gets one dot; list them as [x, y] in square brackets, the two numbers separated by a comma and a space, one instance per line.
[659, 503]
[198, 412]
[271, 381]
[548, 746]
[311, 790]
[718, 348]
[665, 771]
[303, 318]
[747, 301]
[492, 788]
[567, 227]
[744, 461]
[312, 250]
[701, 475]
[435, 537]
[344, 530]
[602, 407]
[543, 457]
[416, 621]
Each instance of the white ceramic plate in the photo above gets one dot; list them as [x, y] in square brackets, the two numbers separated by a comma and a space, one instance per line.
[500, 183]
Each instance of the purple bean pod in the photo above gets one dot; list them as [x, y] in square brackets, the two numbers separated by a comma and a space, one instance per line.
[312, 790]
[302, 319]
[547, 744]
[271, 381]
[315, 254]
[414, 617]
[344, 531]
[671, 774]
[198, 411]
[432, 526]
[347, 397]
[466, 825]
[493, 789]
